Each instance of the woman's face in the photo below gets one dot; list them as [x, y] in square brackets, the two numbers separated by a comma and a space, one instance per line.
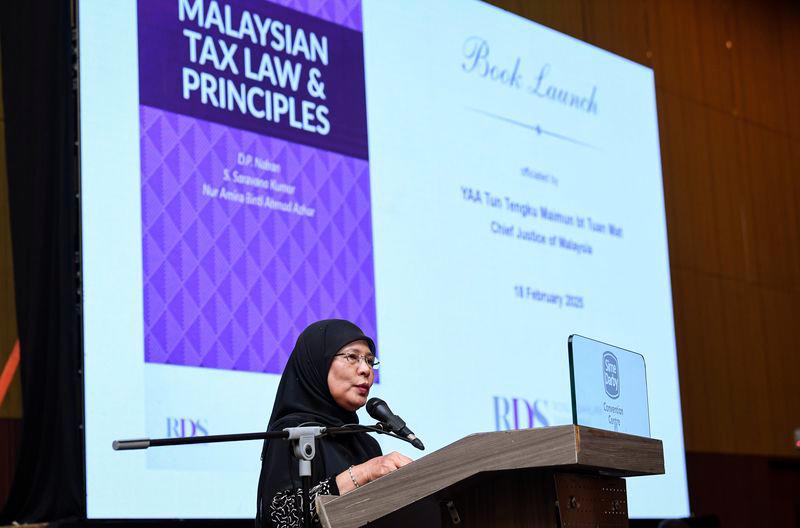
[350, 384]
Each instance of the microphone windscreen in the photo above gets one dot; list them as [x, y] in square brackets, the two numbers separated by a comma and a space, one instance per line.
[371, 403]
[378, 409]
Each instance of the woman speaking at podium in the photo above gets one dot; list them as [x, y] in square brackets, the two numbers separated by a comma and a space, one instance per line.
[327, 378]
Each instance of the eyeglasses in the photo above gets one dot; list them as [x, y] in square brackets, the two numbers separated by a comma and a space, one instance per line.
[354, 359]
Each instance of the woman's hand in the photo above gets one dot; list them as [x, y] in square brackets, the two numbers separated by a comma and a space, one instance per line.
[379, 466]
[370, 470]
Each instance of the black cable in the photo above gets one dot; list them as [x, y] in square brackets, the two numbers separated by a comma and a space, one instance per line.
[373, 428]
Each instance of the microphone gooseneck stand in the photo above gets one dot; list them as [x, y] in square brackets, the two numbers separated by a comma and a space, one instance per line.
[303, 440]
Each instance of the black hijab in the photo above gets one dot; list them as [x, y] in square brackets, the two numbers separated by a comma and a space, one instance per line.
[303, 394]
[303, 397]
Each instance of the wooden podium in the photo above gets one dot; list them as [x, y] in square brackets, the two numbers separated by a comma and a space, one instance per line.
[568, 476]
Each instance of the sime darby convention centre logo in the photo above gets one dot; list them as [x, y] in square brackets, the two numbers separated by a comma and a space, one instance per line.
[611, 375]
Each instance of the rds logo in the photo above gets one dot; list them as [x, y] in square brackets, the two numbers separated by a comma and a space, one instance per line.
[518, 413]
[611, 375]
[186, 427]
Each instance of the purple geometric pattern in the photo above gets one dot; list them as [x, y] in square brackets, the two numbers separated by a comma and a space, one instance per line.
[230, 285]
[346, 13]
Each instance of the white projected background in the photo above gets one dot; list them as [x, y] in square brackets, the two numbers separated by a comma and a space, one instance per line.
[515, 197]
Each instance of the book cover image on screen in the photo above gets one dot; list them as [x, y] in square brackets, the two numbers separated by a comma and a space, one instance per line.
[255, 181]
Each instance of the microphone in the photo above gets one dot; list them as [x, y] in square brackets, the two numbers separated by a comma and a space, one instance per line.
[378, 409]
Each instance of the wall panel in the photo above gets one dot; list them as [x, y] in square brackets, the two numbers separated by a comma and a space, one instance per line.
[716, 38]
[790, 47]
[704, 370]
[776, 234]
[733, 207]
[758, 51]
[11, 397]
[688, 177]
[627, 35]
[744, 491]
[676, 57]
[563, 15]
[779, 313]
[749, 407]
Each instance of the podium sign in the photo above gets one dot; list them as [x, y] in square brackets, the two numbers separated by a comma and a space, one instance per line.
[609, 387]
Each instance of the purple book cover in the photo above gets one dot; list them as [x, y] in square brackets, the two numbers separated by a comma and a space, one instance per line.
[255, 180]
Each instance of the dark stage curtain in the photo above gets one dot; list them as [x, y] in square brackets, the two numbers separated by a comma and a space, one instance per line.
[40, 109]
